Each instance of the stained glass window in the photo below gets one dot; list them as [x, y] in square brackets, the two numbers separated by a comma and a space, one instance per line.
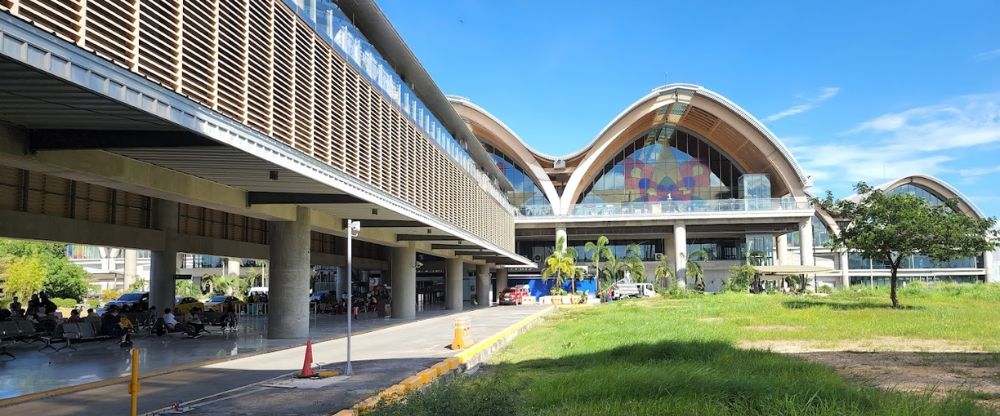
[665, 163]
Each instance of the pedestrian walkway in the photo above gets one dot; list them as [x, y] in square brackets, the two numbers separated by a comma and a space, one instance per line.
[240, 386]
[34, 371]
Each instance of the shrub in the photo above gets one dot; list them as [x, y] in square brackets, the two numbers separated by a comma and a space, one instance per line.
[740, 277]
[680, 293]
[826, 289]
[64, 302]
[109, 294]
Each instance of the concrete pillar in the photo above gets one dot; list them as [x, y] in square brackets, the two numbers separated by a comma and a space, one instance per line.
[233, 266]
[404, 282]
[453, 290]
[991, 272]
[561, 233]
[288, 295]
[163, 263]
[680, 254]
[483, 284]
[341, 282]
[501, 283]
[806, 251]
[845, 270]
[131, 267]
[782, 250]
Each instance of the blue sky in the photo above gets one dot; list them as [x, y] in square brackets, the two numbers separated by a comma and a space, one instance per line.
[858, 90]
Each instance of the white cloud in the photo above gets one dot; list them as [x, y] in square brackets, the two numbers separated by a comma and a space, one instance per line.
[988, 55]
[918, 140]
[825, 94]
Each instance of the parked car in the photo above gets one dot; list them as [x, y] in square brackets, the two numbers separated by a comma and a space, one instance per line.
[140, 299]
[514, 295]
[186, 304]
[215, 303]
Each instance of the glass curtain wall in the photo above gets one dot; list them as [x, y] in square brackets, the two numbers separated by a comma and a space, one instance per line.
[527, 197]
[666, 163]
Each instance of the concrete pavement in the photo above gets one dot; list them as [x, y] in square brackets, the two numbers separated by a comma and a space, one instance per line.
[258, 384]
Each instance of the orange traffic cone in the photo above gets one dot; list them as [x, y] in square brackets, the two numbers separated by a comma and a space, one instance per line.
[307, 370]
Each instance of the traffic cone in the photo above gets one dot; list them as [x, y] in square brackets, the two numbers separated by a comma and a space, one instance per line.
[307, 371]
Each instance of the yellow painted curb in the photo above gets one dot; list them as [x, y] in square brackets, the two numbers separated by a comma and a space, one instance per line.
[442, 368]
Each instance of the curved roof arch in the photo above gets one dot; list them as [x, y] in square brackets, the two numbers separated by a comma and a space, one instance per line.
[713, 117]
[489, 127]
[936, 186]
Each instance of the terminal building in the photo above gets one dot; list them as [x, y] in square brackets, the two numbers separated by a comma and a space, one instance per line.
[257, 129]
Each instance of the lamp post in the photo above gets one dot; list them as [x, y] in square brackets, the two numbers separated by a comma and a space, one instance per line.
[353, 228]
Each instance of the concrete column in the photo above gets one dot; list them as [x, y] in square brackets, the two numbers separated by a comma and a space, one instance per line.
[561, 233]
[845, 270]
[131, 267]
[680, 254]
[233, 266]
[404, 282]
[991, 272]
[483, 285]
[782, 250]
[163, 263]
[288, 295]
[341, 282]
[806, 251]
[453, 291]
[501, 283]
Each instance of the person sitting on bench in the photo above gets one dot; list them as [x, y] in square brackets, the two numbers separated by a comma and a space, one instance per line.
[192, 323]
[112, 326]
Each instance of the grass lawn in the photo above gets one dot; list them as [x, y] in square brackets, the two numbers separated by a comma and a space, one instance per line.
[682, 356]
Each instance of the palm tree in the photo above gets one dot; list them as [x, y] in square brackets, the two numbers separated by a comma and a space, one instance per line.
[664, 273]
[561, 264]
[597, 250]
[633, 263]
[695, 270]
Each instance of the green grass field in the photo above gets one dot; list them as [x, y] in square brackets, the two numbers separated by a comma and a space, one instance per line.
[681, 356]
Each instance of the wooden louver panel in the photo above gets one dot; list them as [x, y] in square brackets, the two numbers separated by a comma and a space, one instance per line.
[159, 42]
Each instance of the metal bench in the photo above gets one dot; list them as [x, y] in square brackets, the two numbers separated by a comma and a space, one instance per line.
[8, 333]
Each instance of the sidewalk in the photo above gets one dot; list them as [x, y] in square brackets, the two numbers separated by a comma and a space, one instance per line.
[381, 357]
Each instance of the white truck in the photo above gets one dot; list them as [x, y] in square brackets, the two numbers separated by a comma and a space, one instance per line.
[632, 290]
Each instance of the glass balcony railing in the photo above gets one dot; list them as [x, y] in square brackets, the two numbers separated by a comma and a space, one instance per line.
[333, 26]
[667, 208]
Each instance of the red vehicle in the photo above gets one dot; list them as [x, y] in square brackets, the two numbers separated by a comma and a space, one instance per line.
[514, 295]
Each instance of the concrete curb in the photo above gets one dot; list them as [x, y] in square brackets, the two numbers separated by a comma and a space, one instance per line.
[463, 361]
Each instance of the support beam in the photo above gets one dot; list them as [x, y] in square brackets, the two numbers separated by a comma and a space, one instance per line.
[404, 282]
[454, 247]
[41, 140]
[388, 224]
[991, 269]
[680, 254]
[478, 253]
[163, 262]
[483, 285]
[453, 293]
[782, 250]
[501, 274]
[288, 297]
[265, 198]
[806, 251]
[426, 237]
[845, 269]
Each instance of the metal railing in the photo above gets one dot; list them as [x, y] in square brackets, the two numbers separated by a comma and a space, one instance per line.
[674, 207]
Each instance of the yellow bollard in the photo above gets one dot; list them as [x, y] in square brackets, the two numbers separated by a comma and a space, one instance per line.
[462, 340]
[133, 385]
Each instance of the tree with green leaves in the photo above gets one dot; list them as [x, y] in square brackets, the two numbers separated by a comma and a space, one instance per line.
[664, 271]
[892, 227]
[561, 264]
[694, 269]
[25, 276]
[633, 263]
[597, 251]
[64, 279]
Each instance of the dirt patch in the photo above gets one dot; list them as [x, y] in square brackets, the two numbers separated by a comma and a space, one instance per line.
[877, 344]
[713, 320]
[773, 328]
[973, 373]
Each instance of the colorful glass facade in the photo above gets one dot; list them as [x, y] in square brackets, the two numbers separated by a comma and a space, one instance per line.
[664, 164]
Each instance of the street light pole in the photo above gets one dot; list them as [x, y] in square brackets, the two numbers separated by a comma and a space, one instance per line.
[353, 228]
